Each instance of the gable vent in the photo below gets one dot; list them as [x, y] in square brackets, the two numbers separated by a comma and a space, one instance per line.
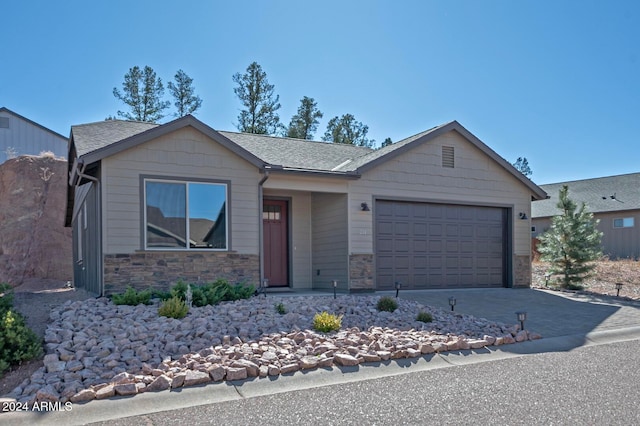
[448, 157]
[4, 122]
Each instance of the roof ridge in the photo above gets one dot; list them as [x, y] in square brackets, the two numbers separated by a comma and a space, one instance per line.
[591, 179]
[115, 120]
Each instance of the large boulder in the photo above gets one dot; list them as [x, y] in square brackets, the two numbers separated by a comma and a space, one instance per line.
[33, 240]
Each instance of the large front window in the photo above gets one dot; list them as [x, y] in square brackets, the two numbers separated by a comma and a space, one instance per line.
[185, 215]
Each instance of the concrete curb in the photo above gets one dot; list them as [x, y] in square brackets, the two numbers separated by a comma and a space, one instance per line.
[147, 403]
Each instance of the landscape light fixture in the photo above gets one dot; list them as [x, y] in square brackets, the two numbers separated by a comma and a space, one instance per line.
[398, 285]
[452, 302]
[335, 285]
[546, 279]
[522, 316]
[265, 284]
[618, 288]
[364, 207]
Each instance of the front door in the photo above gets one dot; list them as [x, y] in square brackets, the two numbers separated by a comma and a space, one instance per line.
[276, 242]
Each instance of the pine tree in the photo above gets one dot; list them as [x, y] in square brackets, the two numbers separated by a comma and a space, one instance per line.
[186, 101]
[305, 123]
[572, 242]
[142, 91]
[346, 129]
[522, 165]
[257, 96]
[386, 142]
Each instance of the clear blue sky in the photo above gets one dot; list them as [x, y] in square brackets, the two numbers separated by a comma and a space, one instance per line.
[557, 82]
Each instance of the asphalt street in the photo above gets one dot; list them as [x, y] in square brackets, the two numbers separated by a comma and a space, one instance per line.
[593, 385]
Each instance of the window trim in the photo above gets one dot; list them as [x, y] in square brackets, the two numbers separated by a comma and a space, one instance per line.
[185, 181]
[623, 219]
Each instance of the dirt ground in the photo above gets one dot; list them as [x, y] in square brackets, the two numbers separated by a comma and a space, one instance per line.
[35, 298]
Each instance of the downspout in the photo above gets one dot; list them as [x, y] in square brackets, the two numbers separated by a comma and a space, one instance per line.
[261, 225]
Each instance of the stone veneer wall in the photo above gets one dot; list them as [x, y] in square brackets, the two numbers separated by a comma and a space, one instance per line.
[522, 271]
[161, 270]
[361, 272]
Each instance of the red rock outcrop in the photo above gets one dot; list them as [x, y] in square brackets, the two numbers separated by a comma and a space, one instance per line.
[33, 240]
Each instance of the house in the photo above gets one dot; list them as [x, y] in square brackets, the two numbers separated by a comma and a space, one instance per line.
[21, 136]
[613, 200]
[150, 204]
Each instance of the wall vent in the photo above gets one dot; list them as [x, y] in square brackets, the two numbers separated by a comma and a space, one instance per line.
[4, 122]
[448, 157]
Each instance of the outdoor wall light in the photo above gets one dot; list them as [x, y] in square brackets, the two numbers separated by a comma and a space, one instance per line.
[522, 316]
[452, 302]
[546, 279]
[523, 216]
[398, 285]
[364, 207]
[618, 288]
[335, 285]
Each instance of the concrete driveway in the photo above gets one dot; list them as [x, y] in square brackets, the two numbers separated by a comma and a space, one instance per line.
[550, 313]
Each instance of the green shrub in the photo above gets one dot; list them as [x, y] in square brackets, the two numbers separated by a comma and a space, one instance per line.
[132, 297]
[424, 317]
[17, 342]
[387, 303]
[6, 300]
[280, 308]
[179, 290]
[326, 322]
[213, 293]
[173, 308]
[159, 294]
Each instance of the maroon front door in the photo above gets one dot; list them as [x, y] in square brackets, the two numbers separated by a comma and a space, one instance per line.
[276, 247]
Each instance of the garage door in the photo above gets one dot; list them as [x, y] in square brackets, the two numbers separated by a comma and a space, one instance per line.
[425, 245]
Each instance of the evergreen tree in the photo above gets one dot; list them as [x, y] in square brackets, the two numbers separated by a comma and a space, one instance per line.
[304, 124]
[142, 91]
[347, 130]
[571, 243]
[522, 165]
[386, 142]
[186, 102]
[261, 104]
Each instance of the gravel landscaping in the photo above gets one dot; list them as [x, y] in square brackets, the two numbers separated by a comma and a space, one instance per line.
[95, 349]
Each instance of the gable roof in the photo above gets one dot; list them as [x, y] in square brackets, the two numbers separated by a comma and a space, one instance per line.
[8, 111]
[95, 141]
[605, 194]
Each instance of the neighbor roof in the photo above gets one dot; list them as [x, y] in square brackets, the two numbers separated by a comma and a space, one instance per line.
[605, 194]
[8, 111]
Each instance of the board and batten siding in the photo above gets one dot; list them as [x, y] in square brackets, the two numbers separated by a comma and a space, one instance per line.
[26, 138]
[185, 153]
[330, 240]
[299, 237]
[418, 175]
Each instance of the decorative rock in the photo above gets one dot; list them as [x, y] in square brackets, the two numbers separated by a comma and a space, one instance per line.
[521, 336]
[252, 368]
[345, 360]
[178, 380]
[47, 393]
[289, 368]
[196, 378]
[105, 392]
[216, 372]
[83, 396]
[234, 373]
[126, 389]
[161, 383]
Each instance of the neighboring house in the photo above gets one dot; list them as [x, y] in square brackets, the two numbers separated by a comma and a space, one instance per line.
[614, 200]
[151, 204]
[21, 136]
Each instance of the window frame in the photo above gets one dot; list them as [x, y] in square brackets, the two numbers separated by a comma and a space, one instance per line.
[623, 219]
[185, 181]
